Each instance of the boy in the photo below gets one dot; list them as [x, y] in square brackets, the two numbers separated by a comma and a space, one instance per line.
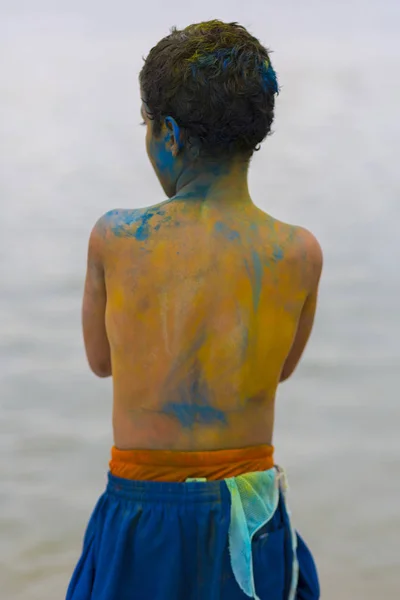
[198, 307]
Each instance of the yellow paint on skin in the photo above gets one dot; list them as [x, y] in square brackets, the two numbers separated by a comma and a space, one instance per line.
[181, 303]
[164, 319]
[116, 298]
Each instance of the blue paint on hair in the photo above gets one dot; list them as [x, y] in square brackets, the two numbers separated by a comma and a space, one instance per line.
[269, 78]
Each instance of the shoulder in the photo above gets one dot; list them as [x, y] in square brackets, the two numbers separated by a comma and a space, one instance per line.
[122, 223]
[310, 256]
[298, 239]
[302, 251]
[309, 245]
[102, 231]
[115, 223]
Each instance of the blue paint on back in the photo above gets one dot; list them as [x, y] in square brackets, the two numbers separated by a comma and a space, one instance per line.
[143, 231]
[188, 394]
[122, 222]
[277, 253]
[189, 414]
[255, 272]
[258, 273]
[230, 234]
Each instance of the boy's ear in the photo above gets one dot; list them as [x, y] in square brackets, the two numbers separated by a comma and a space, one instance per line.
[175, 133]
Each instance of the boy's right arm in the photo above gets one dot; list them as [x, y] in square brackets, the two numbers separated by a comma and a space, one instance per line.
[314, 263]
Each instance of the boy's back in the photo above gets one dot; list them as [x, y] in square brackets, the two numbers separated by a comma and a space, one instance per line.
[203, 303]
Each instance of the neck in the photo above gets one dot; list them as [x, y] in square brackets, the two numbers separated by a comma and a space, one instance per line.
[209, 181]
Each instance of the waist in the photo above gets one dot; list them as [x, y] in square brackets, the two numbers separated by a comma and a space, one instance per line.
[177, 466]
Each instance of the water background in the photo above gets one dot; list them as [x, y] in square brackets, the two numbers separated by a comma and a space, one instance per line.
[71, 148]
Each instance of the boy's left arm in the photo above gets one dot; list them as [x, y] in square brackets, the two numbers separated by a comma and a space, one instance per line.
[94, 306]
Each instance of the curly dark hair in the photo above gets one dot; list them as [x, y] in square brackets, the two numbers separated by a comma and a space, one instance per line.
[216, 80]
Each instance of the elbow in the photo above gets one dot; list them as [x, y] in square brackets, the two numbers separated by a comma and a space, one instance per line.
[99, 359]
[103, 373]
[286, 373]
[101, 369]
[284, 376]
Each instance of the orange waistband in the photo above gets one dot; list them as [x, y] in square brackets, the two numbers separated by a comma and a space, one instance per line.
[171, 465]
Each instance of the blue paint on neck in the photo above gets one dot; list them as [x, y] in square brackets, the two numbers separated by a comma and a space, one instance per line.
[197, 178]
[164, 159]
[196, 192]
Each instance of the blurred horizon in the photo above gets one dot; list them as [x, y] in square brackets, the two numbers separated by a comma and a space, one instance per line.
[72, 149]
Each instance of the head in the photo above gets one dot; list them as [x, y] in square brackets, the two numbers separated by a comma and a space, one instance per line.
[208, 95]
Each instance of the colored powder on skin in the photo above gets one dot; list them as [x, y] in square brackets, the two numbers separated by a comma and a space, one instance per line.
[255, 274]
[190, 414]
[245, 341]
[143, 231]
[164, 160]
[277, 253]
[189, 393]
[229, 233]
[120, 222]
[193, 407]
[258, 273]
[200, 191]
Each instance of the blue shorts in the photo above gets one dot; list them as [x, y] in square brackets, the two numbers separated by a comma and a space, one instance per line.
[170, 541]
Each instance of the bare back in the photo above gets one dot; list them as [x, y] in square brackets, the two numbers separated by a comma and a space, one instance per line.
[203, 304]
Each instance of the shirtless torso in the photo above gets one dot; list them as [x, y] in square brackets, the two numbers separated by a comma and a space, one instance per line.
[208, 306]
